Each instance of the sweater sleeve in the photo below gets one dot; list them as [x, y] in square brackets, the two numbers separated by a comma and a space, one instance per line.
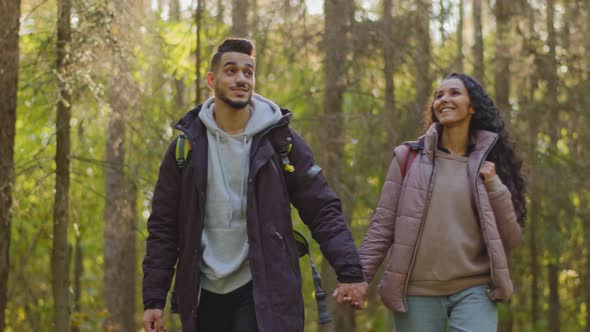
[501, 201]
[379, 236]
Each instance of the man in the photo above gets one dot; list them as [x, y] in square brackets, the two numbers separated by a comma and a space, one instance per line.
[225, 215]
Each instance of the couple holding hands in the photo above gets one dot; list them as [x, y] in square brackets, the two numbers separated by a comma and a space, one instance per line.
[451, 207]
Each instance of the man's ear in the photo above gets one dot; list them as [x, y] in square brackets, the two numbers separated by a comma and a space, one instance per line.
[211, 80]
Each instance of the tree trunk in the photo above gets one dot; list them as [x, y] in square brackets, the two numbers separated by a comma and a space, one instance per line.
[478, 64]
[60, 257]
[78, 271]
[422, 62]
[389, 112]
[586, 217]
[9, 54]
[337, 20]
[220, 11]
[240, 12]
[502, 11]
[535, 247]
[551, 74]
[460, 24]
[120, 220]
[178, 82]
[198, 22]
[584, 202]
[554, 305]
[554, 129]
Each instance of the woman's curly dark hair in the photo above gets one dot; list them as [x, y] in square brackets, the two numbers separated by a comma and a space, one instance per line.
[504, 154]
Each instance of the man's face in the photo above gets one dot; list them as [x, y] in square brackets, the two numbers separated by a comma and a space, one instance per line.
[233, 80]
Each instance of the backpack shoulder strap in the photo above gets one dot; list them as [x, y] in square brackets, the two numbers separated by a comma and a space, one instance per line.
[282, 141]
[406, 154]
[183, 148]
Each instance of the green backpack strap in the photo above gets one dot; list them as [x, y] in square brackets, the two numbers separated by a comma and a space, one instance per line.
[183, 147]
[320, 294]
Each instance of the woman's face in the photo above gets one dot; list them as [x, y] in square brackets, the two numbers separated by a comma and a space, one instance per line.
[452, 105]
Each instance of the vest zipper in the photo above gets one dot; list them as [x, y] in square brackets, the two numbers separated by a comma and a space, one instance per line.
[480, 212]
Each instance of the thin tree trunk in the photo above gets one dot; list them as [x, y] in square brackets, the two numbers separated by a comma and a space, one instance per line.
[584, 201]
[120, 220]
[422, 61]
[220, 11]
[460, 24]
[502, 65]
[389, 111]
[178, 82]
[78, 272]
[60, 250]
[9, 53]
[478, 64]
[335, 41]
[554, 128]
[198, 22]
[535, 206]
[554, 305]
[552, 74]
[240, 27]
[586, 217]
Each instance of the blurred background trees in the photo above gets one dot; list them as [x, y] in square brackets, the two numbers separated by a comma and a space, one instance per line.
[96, 91]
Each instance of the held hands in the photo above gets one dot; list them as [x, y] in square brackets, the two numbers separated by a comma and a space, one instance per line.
[488, 170]
[153, 320]
[354, 293]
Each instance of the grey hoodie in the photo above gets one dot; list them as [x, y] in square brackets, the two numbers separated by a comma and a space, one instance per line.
[225, 264]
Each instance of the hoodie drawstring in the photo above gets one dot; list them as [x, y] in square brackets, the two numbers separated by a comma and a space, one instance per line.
[225, 182]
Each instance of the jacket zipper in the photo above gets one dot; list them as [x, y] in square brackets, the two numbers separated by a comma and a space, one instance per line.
[280, 237]
[480, 212]
[422, 220]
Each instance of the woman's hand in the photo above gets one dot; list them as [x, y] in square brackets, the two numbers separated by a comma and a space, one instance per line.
[488, 170]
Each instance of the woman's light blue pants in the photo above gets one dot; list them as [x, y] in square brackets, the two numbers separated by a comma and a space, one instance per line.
[467, 311]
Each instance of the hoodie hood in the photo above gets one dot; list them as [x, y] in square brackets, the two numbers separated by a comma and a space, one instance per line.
[265, 113]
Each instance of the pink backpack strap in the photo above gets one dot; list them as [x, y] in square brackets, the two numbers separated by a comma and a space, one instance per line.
[406, 159]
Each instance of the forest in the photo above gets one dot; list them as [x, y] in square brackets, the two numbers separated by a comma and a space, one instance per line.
[90, 90]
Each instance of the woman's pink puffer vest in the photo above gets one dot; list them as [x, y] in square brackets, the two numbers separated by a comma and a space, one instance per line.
[396, 226]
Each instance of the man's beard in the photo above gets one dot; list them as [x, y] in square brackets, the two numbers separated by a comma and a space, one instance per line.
[238, 105]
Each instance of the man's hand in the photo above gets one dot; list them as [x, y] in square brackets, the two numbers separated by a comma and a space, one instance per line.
[153, 320]
[354, 293]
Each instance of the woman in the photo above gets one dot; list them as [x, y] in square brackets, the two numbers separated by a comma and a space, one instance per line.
[448, 221]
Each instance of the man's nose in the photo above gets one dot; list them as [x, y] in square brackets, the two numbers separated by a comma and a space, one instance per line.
[241, 77]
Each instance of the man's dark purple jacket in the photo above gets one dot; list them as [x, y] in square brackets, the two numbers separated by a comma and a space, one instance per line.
[176, 222]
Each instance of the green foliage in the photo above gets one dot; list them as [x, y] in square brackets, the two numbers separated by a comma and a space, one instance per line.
[290, 70]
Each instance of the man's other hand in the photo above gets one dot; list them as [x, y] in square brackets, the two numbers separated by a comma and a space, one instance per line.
[153, 320]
